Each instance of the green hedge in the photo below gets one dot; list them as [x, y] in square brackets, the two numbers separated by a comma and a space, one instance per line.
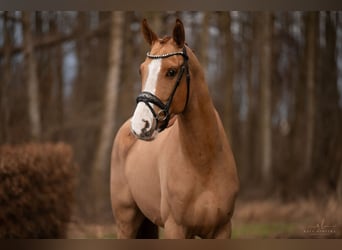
[37, 184]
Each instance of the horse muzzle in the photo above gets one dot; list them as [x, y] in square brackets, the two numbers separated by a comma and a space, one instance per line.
[143, 123]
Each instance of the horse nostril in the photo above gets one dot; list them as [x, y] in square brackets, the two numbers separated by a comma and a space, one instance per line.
[146, 127]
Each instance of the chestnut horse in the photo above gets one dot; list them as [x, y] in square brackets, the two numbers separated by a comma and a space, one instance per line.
[171, 162]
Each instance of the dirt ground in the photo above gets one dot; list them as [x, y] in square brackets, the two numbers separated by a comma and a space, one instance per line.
[305, 218]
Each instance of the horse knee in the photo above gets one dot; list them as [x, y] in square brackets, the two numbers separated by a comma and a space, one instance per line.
[174, 231]
[125, 231]
[127, 222]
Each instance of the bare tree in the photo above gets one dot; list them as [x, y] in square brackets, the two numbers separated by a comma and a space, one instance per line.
[101, 161]
[227, 73]
[311, 22]
[265, 94]
[129, 77]
[32, 78]
[4, 105]
[204, 41]
[249, 129]
[339, 114]
[58, 55]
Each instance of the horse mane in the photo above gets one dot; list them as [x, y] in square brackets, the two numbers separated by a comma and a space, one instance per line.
[165, 39]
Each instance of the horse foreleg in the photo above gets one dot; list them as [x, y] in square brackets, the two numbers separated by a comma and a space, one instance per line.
[224, 232]
[174, 231]
[128, 221]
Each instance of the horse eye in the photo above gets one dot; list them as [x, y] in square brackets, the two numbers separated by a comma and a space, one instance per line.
[171, 73]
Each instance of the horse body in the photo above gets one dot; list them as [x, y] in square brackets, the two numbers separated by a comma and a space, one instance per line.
[184, 180]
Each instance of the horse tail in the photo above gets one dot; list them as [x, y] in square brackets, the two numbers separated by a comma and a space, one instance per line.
[147, 230]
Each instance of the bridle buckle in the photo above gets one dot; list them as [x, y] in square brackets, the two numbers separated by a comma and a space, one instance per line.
[162, 115]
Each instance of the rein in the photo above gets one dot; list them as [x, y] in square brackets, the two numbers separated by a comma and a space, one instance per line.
[163, 116]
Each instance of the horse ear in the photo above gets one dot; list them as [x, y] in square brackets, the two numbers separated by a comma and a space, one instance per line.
[179, 34]
[149, 35]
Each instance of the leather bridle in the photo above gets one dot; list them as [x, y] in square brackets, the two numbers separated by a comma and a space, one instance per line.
[163, 116]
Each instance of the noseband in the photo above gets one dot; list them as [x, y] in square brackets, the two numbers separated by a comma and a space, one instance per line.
[163, 116]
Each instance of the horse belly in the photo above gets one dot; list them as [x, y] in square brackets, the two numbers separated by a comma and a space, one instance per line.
[143, 178]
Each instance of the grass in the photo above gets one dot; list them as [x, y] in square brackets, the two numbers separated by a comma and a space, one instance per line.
[255, 219]
[263, 230]
[240, 231]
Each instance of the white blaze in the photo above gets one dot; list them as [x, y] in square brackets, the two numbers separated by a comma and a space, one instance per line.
[142, 114]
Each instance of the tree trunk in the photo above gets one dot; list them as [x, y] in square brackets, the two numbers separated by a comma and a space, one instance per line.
[227, 73]
[102, 156]
[265, 95]
[339, 152]
[249, 126]
[32, 79]
[58, 79]
[130, 76]
[311, 23]
[6, 76]
[204, 42]
[79, 88]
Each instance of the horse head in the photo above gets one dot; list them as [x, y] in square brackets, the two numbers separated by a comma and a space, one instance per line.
[165, 83]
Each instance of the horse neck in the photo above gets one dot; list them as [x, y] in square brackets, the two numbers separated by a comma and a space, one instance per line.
[198, 126]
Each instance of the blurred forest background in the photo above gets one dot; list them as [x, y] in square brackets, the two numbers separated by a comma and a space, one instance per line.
[275, 78]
